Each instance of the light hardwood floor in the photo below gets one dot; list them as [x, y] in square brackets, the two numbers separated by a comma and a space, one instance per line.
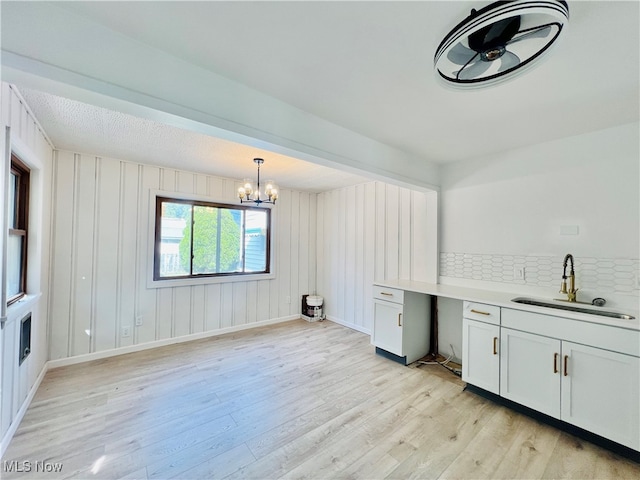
[294, 400]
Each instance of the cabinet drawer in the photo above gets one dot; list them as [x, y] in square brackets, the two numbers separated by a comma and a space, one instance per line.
[389, 294]
[481, 312]
[578, 331]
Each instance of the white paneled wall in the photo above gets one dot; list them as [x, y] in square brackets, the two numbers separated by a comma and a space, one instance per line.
[28, 141]
[101, 262]
[372, 232]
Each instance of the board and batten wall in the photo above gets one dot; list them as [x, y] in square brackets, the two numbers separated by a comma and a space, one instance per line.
[30, 143]
[372, 232]
[100, 265]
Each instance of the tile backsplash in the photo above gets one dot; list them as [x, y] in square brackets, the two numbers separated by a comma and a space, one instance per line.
[603, 275]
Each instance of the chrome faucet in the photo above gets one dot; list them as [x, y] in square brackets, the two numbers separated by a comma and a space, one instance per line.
[572, 290]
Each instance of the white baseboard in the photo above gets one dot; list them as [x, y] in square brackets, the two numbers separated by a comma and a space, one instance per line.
[349, 325]
[21, 412]
[63, 362]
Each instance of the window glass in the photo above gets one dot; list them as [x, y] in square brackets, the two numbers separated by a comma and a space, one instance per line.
[221, 239]
[13, 188]
[173, 222]
[17, 235]
[14, 265]
[255, 241]
[217, 240]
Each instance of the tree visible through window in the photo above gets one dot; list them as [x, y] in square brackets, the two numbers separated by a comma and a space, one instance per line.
[196, 239]
[17, 238]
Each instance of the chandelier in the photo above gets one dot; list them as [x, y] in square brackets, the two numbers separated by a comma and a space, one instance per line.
[247, 193]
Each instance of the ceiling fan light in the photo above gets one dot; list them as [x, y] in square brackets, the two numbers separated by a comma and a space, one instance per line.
[499, 42]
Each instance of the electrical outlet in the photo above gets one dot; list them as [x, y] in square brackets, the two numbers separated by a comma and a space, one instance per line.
[288, 299]
[518, 273]
[126, 331]
[139, 321]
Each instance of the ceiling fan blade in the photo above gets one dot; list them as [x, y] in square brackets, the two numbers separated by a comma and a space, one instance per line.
[473, 71]
[460, 55]
[508, 60]
[539, 32]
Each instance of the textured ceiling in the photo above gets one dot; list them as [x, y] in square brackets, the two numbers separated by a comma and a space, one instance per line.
[79, 127]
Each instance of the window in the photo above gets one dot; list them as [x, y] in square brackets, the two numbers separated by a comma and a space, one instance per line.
[201, 239]
[17, 239]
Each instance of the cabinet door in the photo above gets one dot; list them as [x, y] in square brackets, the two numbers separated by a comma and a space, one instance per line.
[530, 370]
[387, 326]
[601, 392]
[480, 354]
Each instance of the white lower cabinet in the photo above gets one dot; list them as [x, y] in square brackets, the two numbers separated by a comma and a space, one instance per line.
[529, 372]
[401, 323]
[588, 387]
[387, 326]
[481, 345]
[601, 392]
[593, 388]
[480, 353]
[583, 373]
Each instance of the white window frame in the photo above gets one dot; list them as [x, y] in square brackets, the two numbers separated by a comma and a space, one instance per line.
[37, 193]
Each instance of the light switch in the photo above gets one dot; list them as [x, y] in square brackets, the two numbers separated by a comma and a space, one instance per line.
[569, 230]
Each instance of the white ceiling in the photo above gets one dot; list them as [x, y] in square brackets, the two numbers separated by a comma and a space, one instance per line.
[365, 66]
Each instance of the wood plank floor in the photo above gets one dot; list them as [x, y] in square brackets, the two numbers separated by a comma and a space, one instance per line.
[293, 400]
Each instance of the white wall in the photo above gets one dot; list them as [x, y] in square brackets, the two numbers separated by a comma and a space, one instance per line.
[29, 142]
[100, 260]
[508, 210]
[372, 232]
[515, 203]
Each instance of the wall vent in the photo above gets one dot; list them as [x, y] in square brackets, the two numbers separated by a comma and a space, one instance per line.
[25, 338]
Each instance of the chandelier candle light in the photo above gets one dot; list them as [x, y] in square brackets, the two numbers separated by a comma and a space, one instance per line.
[246, 193]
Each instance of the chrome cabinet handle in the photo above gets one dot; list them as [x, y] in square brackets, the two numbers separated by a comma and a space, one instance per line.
[479, 312]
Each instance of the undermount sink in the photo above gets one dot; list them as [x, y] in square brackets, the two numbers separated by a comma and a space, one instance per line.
[571, 308]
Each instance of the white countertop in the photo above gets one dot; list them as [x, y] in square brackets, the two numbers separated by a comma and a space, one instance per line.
[503, 299]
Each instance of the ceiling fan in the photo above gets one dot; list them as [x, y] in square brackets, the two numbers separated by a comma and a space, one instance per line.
[499, 42]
